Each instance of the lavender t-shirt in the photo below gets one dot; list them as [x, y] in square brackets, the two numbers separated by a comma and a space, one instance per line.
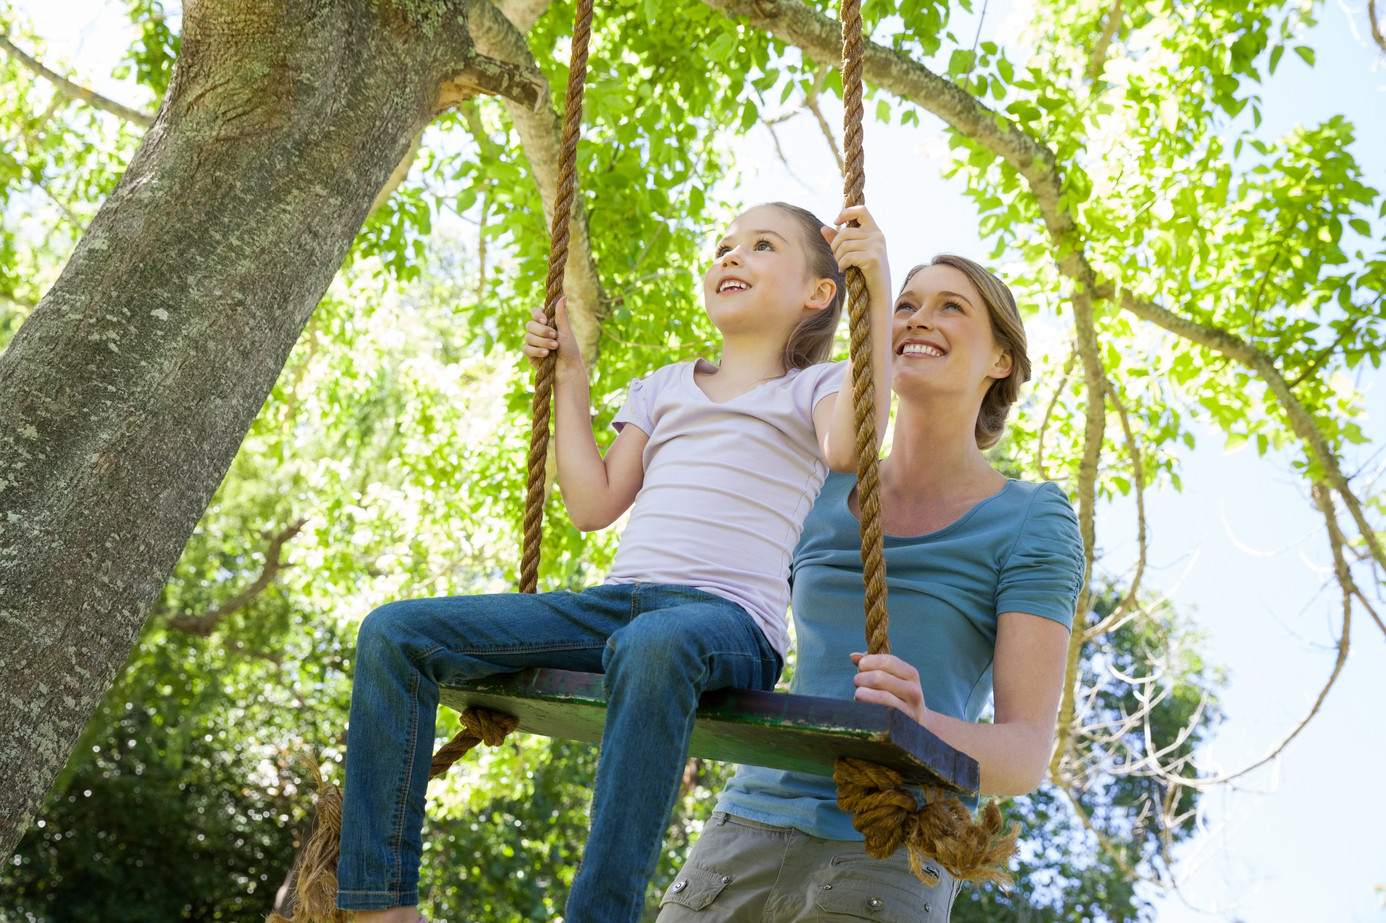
[726, 488]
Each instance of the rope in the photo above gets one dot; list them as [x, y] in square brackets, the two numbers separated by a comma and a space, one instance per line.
[543, 378]
[315, 890]
[886, 813]
[859, 325]
[315, 887]
[558, 261]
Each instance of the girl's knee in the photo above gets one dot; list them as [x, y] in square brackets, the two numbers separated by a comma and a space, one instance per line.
[384, 626]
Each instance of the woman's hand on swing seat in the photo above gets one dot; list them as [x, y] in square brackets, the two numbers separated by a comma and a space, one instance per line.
[885, 679]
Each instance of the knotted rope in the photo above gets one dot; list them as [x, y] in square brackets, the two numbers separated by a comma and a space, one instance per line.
[553, 290]
[883, 810]
[315, 892]
[543, 378]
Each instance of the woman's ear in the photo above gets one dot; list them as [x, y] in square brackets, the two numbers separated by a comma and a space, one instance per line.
[1002, 367]
[821, 295]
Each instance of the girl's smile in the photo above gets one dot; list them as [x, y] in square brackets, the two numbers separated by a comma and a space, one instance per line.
[758, 264]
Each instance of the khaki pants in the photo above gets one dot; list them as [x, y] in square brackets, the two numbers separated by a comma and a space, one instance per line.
[744, 871]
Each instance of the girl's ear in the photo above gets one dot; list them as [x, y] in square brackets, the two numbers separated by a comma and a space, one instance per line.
[821, 295]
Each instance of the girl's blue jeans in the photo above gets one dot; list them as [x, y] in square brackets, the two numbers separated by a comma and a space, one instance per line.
[659, 646]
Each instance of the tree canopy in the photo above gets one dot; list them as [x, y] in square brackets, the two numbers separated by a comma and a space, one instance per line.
[353, 441]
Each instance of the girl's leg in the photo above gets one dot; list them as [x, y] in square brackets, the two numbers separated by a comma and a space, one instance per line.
[681, 643]
[405, 650]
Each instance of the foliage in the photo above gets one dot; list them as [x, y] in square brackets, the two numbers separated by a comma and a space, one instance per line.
[385, 463]
[1151, 701]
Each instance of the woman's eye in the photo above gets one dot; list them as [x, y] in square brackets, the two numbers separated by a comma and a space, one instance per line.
[904, 306]
[952, 304]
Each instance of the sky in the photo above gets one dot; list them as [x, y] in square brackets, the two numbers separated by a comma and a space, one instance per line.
[1240, 547]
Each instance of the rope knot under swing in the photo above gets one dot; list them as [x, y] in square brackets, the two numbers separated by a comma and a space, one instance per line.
[479, 726]
[941, 828]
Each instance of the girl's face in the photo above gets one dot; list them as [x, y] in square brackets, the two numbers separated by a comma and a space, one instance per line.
[759, 279]
[941, 334]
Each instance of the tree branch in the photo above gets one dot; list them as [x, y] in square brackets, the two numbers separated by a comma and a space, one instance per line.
[1095, 420]
[539, 132]
[204, 624]
[811, 103]
[1043, 427]
[1128, 602]
[76, 91]
[1302, 422]
[1111, 22]
[1376, 25]
[1336, 541]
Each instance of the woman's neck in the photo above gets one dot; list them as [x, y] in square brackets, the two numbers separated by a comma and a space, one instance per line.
[934, 454]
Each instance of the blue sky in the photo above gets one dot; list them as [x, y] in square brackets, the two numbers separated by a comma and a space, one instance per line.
[1240, 546]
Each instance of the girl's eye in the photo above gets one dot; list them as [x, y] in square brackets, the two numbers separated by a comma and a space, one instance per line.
[763, 245]
[952, 304]
[904, 306]
[721, 249]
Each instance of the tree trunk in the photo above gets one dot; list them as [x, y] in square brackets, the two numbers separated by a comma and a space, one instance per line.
[124, 397]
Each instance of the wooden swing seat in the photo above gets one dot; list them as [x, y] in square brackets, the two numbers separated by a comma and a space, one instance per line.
[774, 729]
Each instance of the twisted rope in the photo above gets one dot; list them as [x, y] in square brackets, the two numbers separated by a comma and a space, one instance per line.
[553, 290]
[883, 810]
[315, 891]
[315, 888]
[543, 378]
[859, 325]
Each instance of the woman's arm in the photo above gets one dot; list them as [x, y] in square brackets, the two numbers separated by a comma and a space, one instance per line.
[1027, 677]
[834, 420]
[596, 489]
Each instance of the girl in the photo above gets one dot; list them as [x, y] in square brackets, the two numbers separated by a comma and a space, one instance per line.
[983, 575]
[721, 463]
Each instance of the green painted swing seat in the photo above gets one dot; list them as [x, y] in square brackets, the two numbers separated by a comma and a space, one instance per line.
[774, 729]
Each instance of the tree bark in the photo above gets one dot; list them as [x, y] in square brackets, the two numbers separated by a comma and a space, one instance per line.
[126, 394]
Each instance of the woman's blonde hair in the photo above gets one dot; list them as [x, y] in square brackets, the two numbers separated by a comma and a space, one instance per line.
[812, 341]
[1009, 332]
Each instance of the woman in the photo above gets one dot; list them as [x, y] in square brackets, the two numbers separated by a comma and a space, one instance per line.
[983, 575]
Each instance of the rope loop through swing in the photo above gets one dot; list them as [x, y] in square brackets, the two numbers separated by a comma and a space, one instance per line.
[540, 407]
[884, 811]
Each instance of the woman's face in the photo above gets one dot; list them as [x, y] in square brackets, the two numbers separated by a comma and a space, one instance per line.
[942, 336]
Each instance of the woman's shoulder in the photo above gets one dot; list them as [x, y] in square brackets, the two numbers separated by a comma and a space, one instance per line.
[1044, 492]
[1043, 509]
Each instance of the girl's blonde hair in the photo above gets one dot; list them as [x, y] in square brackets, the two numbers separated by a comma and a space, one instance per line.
[1009, 332]
[812, 341]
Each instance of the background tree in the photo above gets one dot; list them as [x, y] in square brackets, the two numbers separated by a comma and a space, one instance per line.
[1206, 277]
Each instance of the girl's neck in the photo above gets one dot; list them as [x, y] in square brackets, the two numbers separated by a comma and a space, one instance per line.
[749, 361]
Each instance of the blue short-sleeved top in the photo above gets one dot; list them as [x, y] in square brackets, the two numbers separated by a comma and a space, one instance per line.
[1016, 551]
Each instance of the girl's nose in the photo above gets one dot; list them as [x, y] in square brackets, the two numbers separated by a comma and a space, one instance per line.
[731, 257]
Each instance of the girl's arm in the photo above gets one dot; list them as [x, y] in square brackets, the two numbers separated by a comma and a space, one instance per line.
[833, 418]
[596, 489]
[1028, 676]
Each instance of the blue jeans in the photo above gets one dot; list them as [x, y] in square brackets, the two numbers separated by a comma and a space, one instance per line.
[660, 647]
